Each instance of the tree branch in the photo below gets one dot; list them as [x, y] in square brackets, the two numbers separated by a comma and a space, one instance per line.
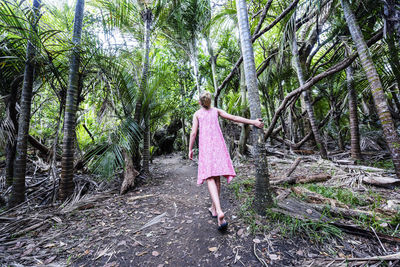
[338, 67]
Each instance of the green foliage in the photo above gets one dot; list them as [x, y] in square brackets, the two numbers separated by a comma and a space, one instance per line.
[242, 187]
[316, 231]
[343, 195]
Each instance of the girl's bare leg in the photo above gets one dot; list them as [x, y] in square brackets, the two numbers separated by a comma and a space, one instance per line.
[218, 183]
[212, 188]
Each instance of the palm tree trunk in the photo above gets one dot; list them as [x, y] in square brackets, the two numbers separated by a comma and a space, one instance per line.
[67, 162]
[306, 99]
[146, 147]
[395, 65]
[195, 63]
[355, 149]
[184, 139]
[245, 129]
[213, 63]
[148, 19]
[391, 16]
[263, 196]
[389, 130]
[391, 12]
[18, 186]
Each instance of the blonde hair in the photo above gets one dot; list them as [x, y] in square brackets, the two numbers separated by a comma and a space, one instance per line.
[205, 100]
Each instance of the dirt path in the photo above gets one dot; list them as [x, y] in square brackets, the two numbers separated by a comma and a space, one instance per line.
[162, 223]
[165, 223]
[186, 235]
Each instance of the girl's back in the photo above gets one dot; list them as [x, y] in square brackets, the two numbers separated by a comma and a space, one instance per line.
[214, 159]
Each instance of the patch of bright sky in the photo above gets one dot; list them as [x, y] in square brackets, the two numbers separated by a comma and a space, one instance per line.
[115, 38]
[59, 2]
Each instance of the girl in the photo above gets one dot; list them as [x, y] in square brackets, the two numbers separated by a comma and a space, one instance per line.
[214, 159]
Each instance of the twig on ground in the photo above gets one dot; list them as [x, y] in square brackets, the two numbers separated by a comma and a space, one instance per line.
[258, 258]
[373, 230]
[391, 257]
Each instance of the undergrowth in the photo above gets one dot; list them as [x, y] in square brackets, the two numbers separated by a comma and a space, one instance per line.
[288, 226]
[343, 195]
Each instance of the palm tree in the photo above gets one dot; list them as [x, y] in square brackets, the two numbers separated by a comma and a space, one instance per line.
[184, 24]
[121, 13]
[306, 98]
[245, 129]
[391, 11]
[389, 130]
[355, 150]
[18, 189]
[67, 163]
[263, 197]
[147, 16]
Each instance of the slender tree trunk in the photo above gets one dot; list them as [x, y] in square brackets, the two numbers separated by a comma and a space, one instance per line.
[67, 162]
[389, 130]
[306, 99]
[18, 186]
[213, 63]
[148, 19]
[184, 139]
[391, 12]
[245, 129]
[392, 22]
[263, 196]
[146, 147]
[340, 137]
[195, 63]
[355, 149]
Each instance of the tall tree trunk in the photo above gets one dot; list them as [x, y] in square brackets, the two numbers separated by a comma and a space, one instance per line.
[195, 63]
[67, 162]
[306, 99]
[263, 196]
[355, 149]
[183, 95]
[147, 16]
[18, 186]
[213, 63]
[146, 146]
[245, 129]
[391, 12]
[391, 15]
[389, 130]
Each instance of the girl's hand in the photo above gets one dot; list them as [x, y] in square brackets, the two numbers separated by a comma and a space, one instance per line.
[191, 154]
[258, 123]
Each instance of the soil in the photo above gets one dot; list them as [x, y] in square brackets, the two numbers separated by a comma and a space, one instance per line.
[166, 222]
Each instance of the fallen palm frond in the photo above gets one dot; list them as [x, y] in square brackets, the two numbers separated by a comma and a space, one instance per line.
[153, 221]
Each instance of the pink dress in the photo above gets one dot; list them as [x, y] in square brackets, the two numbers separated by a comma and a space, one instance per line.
[214, 159]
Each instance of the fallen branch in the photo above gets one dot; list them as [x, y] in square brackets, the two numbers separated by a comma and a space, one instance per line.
[153, 221]
[322, 177]
[303, 211]
[293, 167]
[336, 68]
[391, 257]
[381, 181]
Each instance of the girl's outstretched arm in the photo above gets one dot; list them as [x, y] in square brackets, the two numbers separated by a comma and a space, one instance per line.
[193, 134]
[258, 122]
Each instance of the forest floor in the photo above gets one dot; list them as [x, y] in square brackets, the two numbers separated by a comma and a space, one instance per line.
[166, 222]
